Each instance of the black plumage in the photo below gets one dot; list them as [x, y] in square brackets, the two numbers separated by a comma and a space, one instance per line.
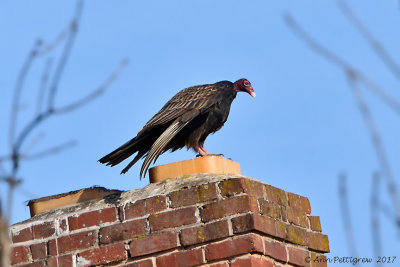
[185, 120]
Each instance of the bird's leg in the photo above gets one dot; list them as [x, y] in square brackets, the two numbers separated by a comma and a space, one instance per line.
[201, 150]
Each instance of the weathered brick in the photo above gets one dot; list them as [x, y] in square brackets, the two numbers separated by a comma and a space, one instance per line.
[220, 264]
[234, 246]
[122, 231]
[296, 235]
[252, 261]
[76, 241]
[60, 261]
[172, 218]
[92, 218]
[249, 222]
[102, 255]
[43, 230]
[34, 264]
[232, 187]
[181, 258]
[204, 233]
[270, 209]
[22, 235]
[299, 203]
[299, 257]
[140, 263]
[144, 206]
[191, 196]
[275, 249]
[19, 254]
[297, 217]
[315, 223]
[318, 241]
[276, 195]
[39, 251]
[153, 243]
[52, 247]
[318, 260]
[281, 229]
[227, 207]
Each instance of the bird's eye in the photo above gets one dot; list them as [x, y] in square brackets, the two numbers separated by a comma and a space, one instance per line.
[246, 83]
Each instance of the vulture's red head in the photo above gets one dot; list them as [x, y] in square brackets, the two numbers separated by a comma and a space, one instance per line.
[243, 85]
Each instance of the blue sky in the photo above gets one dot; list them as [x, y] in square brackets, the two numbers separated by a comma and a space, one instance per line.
[301, 131]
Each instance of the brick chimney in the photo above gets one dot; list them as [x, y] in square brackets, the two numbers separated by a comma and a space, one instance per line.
[200, 220]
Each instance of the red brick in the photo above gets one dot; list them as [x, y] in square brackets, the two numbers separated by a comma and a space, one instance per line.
[299, 203]
[34, 264]
[60, 261]
[318, 242]
[19, 254]
[296, 235]
[227, 207]
[39, 251]
[141, 263]
[52, 244]
[172, 218]
[315, 223]
[191, 196]
[63, 225]
[204, 233]
[276, 195]
[252, 261]
[318, 260]
[276, 250]
[220, 264]
[297, 217]
[182, 258]
[233, 247]
[249, 222]
[76, 241]
[281, 229]
[232, 187]
[144, 206]
[22, 235]
[43, 230]
[299, 257]
[122, 231]
[92, 218]
[153, 243]
[102, 255]
[270, 209]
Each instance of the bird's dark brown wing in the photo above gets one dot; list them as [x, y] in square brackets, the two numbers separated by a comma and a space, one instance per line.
[198, 97]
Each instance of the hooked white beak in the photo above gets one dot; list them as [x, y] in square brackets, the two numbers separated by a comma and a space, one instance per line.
[253, 94]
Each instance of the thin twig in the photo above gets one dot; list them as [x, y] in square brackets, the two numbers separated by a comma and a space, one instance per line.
[378, 146]
[50, 151]
[346, 218]
[43, 85]
[379, 49]
[376, 234]
[18, 90]
[96, 93]
[65, 55]
[342, 64]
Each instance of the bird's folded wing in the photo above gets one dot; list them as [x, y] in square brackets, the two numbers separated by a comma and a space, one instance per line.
[195, 97]
[162, 141]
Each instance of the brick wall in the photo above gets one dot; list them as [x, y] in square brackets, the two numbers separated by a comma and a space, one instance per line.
[201, 220]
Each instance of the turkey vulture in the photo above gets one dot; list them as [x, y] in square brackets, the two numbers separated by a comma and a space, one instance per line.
[185, 120]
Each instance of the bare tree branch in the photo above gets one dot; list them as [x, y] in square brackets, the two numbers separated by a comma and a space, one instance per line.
[346, 218]
[378, 146]
[376, 234]
[65, 55]
[342, 64]
[18, 89]
[379, 49]
[43, 85]
[50, 151]
[96, 93]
